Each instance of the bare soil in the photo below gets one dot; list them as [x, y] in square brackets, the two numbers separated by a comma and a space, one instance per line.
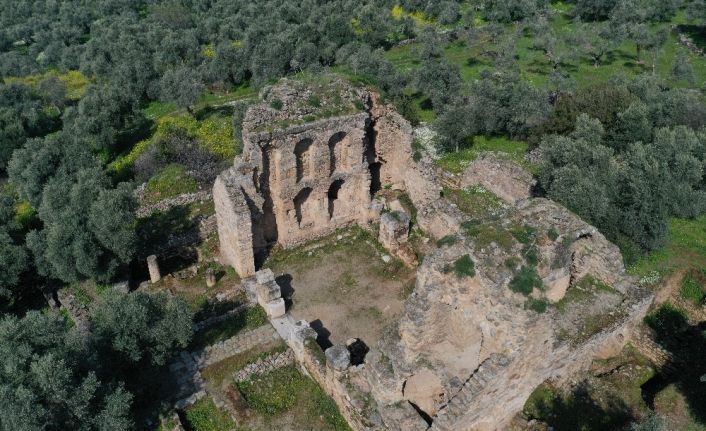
[346, 290]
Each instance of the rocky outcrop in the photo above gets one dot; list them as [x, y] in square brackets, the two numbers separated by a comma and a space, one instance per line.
[508, 181]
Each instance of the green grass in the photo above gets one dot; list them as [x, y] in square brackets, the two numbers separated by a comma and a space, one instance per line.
[251, 318]
[691, 290]
[583, 290]
[534, 67]
[477, 202]
[170, 182]
[685, 248]
[74, 81]
[205, 416]
[456, 162]
[286, 389]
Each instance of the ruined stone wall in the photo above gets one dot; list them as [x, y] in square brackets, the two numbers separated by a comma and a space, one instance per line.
[315, 176]
[301, 177]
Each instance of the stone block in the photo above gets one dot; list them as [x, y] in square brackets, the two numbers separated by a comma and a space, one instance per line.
[210, 277]
[394, 229]
[264, 276]
[424, 389]
[338, 357]
[250, 287]
[268, 292]
[275, 309]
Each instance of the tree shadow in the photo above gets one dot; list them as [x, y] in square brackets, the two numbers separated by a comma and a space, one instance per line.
[687, 368]
[223, 110]
[697, 33]
[580, 411]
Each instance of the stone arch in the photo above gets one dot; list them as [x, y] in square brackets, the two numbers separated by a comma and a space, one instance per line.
[336, 151]
[302, 153]
[333, 192]
[300, 205]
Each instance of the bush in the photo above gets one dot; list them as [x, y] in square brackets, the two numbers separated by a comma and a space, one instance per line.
[464, 267]
[276, 104]
[523, 235]
[525, 281]
[536, 305]
[552, 234]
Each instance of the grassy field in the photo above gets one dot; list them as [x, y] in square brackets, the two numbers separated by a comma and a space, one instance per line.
[456, 162]
[472, 56]
[685, 248]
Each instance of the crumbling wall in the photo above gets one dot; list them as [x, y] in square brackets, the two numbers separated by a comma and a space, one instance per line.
[302, 177]
[235, 227]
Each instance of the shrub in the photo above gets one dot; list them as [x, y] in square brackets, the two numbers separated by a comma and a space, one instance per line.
[691, 291]
[536, 305]
[464, 267]
[525, 281]
[552, 234]
[523, 235]
[447, 240]
[276, 104]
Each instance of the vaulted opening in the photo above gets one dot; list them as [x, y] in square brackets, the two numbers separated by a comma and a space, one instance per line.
[302, 153]
[336, 152]
[333, 196]
[300, 201]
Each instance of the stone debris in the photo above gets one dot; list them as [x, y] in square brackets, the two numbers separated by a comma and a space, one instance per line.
[265, 365]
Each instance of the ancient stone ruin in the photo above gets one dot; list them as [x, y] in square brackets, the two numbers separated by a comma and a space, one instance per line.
[469, 348]
[303, 172]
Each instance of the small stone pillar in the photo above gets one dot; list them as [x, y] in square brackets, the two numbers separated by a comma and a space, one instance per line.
[153, 267]
[210, 277]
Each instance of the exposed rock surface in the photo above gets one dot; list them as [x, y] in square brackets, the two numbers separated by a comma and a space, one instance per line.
[508, 181]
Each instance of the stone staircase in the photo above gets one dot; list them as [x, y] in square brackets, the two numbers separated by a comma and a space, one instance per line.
[446, 418]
